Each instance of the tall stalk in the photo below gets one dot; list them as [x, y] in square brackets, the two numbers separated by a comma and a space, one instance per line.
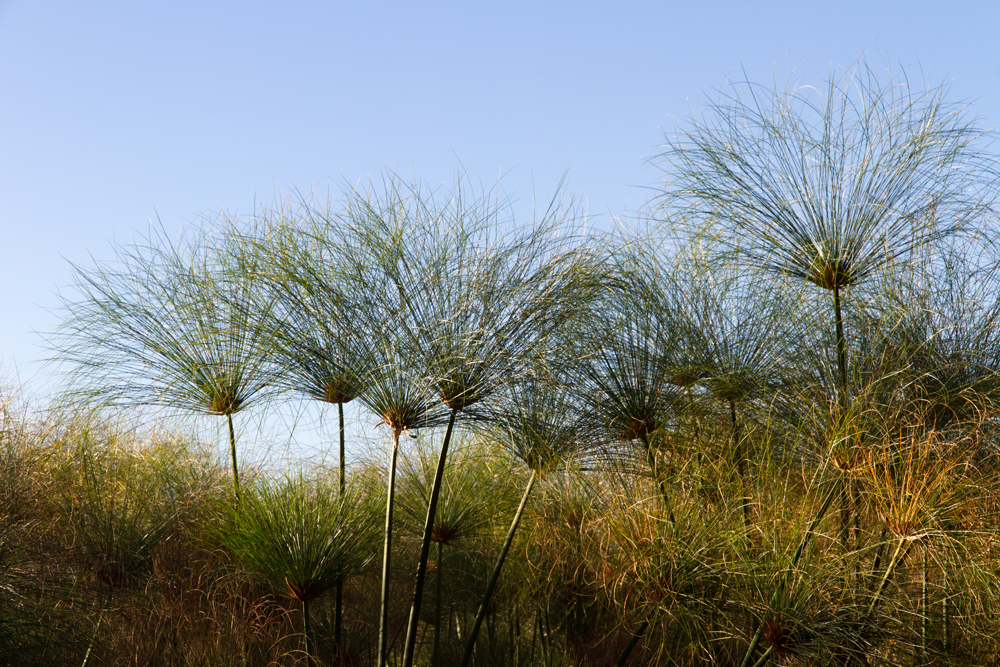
[383, 625]
[338, 608]
[466, 505]
[633, 640]
[439, 575]
[898, 556]
[425, 545]
[842, 392]
[843, 400]
[340, 430]
[306, 629]
[495, 576]
[232, 452]
[539, 424]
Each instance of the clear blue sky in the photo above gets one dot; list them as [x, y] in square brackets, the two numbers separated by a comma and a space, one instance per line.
[112, 113]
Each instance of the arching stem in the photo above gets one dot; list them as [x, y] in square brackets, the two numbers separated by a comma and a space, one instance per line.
[425, 547]
[491, 586]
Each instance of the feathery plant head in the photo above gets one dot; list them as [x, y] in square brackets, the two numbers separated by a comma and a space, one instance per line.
[301, 534]
[916, 481]
[319, 314]
[539, 422]
[734, 329]
[468, 498]
[166, 324]
[627, 367]
[831, 185]
[813, 619]
[933, 333]
[394, 393]
[470, 297]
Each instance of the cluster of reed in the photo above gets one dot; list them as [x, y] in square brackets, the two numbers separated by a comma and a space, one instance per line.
[761, 431]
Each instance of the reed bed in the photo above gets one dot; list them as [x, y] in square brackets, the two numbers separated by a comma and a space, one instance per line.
[758, 428]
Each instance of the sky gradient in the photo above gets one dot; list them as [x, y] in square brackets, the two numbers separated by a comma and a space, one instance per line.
[115, 114]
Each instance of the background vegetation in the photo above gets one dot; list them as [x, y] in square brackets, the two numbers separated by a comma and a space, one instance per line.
[756, 427]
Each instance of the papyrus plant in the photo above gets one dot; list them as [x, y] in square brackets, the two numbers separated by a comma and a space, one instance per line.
[625, 367]
[539, 424]
[303, 535]
[322, 349]
[833, 184]
[171, 324]
[469, 299]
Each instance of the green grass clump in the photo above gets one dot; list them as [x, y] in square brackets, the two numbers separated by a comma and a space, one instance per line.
[303, 536]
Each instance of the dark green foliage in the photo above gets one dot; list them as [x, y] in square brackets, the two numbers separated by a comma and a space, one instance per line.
[301, 535]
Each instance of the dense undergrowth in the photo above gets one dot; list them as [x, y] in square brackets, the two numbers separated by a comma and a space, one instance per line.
[761, 431]
[118, 548]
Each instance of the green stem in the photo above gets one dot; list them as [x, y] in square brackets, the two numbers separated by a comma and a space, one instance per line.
[488, 595]
[753, 647]
[383, 627]
[651, 460]
[338, 609]
[232, 452]
[843, 396]
[812, 526]
[636, 636]
[343, 472]
[435, 656]
[93, 640]
[841, 347]
[425, 547]
[764, 658]
[305, 630]
[896, 559]
[783, 581]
